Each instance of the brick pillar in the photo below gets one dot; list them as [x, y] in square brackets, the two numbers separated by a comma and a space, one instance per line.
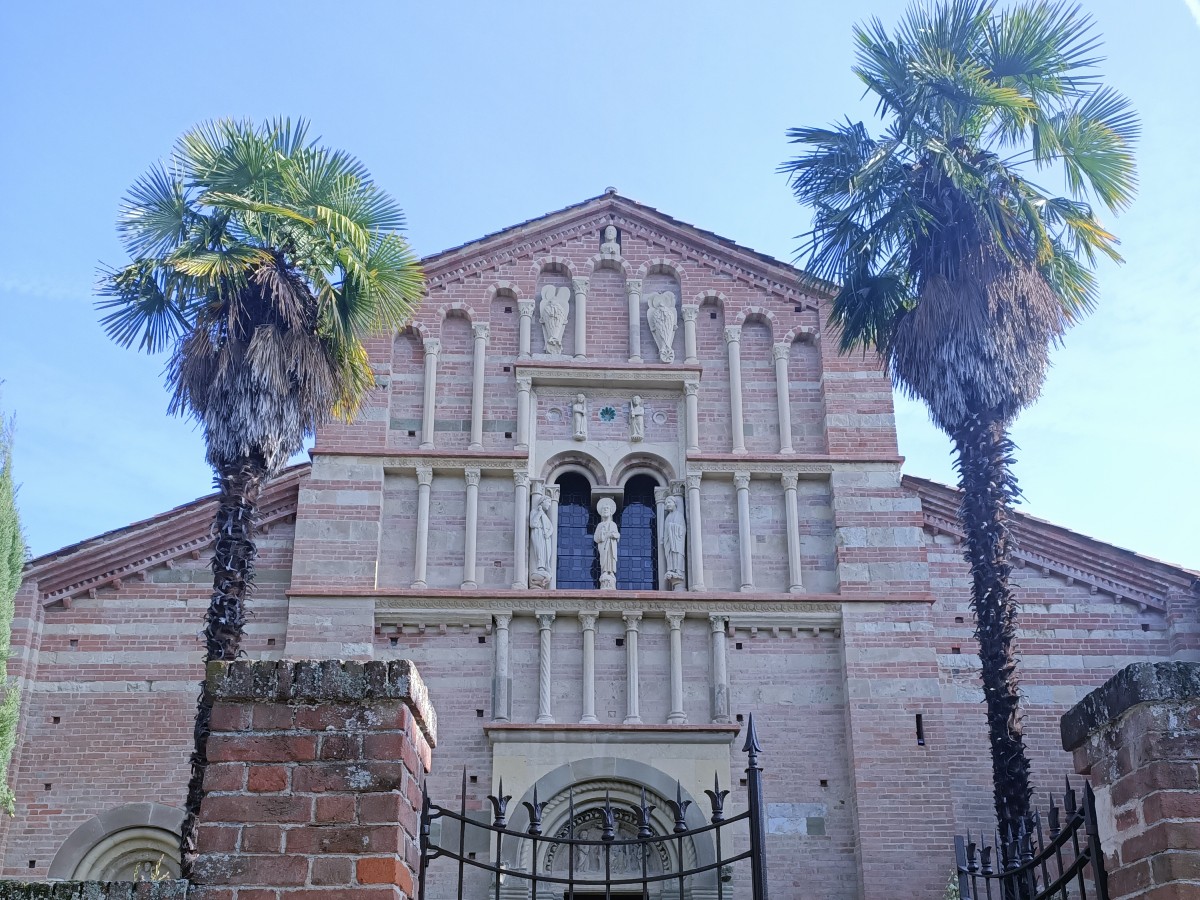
[315, 781]
[1138, 739]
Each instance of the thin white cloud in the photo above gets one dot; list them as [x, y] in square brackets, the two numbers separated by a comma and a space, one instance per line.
[1194, 6]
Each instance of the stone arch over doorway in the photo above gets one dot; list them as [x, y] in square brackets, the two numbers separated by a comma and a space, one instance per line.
[121, 844]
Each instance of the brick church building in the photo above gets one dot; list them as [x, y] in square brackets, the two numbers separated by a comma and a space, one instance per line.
[602, 371]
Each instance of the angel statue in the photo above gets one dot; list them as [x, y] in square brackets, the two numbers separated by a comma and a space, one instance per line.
[663, 319]
[554, 310]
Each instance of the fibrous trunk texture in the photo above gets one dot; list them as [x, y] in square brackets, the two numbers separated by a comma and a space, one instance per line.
[989, 489]
[238, 485]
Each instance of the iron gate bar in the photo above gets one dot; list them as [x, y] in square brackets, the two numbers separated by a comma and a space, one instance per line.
[644, 842]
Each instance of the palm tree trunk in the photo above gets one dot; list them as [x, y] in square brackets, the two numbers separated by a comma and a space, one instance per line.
[238, 485]
[984, 453]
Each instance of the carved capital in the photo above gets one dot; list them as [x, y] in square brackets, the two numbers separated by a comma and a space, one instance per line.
[553, 491]
[521, 479]
[525, 308]
[717, 624]
[633, 286]
[741, 481]
[524, 383]
[587, 621]
[693, 480]
[502, 620]
[482, 331]
[632, 621]
[733, 333]
[545, 621]
[425, 475]
[579, 285]
[789, 480]
[781, 351]
[689, 311]
[472, 477]
[691, 388]
[675, 620]
[433, 346]
[661, 494]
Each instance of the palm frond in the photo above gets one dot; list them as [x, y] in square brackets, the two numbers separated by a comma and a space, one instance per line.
[142, 303]
[156, 214]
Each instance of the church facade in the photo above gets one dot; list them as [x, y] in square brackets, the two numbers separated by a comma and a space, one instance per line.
[616, 491]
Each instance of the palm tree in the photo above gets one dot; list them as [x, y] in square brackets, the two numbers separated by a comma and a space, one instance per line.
[958, 268]
[261, 261]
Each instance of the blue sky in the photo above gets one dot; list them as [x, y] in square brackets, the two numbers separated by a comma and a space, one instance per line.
[479, 115]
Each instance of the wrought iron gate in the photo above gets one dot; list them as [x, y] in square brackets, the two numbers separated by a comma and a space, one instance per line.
[1065, 864]
[648, 865]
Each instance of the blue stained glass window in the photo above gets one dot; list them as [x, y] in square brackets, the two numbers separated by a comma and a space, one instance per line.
[578, 564]
[637, 557]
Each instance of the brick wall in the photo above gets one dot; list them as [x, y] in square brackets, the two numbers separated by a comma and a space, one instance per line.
[1138, 738]
[315, 781]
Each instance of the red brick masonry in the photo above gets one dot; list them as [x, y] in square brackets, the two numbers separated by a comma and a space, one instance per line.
[315, 781]
[1138, 737]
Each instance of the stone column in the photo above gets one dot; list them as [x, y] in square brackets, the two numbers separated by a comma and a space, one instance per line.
[587, 622]
[733, 343]
[720, 671]
[660, 515]
[545, 622]
[741, 481]
[525, 324]
[633, 290]
[781, 353]
[677, 716]
[421, 549]
[690, 312]
[433, 348]
[501, 694]
[581, 287]
[481, 332]
[695, 540]
[691, 389]
[795, 573]
[632, 712]
[472, 529]
[524, 385]
[554, 492]
[520, 530]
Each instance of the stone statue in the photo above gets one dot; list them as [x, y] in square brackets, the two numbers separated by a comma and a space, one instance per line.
[609, 245]
[579, 417]
[607, 536]
[541, 538]
[674, 540]
[663, 319]
[637, 420]
[554, 310]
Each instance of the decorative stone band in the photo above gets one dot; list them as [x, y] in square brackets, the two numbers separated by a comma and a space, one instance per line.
[95, 890]
[329, 681]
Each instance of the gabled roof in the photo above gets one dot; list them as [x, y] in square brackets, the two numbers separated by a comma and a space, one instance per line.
[1119, 573]
[484, 252]
[130, 551]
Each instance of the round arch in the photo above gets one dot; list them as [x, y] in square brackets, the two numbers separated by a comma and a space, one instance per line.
[574, 461]
[120, 844]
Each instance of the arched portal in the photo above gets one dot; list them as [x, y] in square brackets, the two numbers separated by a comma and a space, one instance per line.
[637, 562]
[578, 565]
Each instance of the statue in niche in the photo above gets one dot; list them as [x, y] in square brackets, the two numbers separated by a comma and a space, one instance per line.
[674, 540]
[637, 420]
[579, 417]
[554, 310]
[606, 538]
[541, 539]
[608, 244]
[663, 319]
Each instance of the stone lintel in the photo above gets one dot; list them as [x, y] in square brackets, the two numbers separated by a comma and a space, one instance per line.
[506, 733]
[1148, 682]
[325, 682]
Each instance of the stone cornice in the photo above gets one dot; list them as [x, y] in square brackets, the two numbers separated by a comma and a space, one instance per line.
[756, 619]
[551, 372]
[1120, 574]
[704, 248]
[610, 733]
